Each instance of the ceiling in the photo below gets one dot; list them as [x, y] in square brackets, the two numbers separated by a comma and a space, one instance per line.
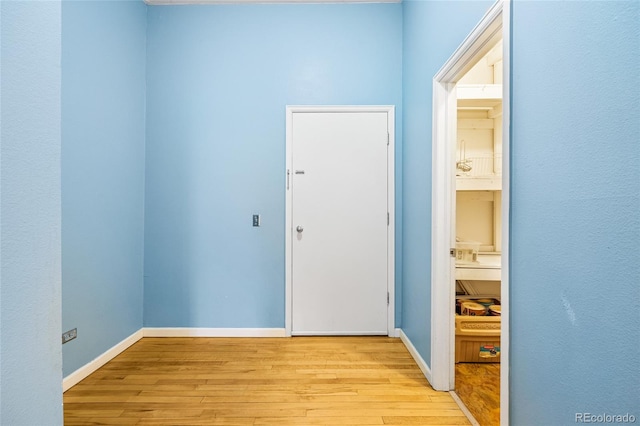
[180, 2]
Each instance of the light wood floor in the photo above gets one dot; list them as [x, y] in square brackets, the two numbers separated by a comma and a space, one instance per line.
[265, 381]
[478, 386]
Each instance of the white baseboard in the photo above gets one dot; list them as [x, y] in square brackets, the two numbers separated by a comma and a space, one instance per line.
[416, 356]
[464, 409]
[212, 332]
[396, 332]
[84, 371]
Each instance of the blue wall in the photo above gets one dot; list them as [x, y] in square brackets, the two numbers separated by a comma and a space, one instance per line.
[30, 353]
[575, 210]
[218, 81]
[103, 131]
[432, 32]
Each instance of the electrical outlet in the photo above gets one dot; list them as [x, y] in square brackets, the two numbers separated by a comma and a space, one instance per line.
[69, 335]
[256, 220]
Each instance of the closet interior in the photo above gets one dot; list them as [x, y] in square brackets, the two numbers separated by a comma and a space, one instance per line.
[478, 211]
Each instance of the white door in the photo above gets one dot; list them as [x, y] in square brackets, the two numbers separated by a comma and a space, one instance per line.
[339, 217]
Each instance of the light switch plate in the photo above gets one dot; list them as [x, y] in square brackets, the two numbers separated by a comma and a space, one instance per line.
[256, 220]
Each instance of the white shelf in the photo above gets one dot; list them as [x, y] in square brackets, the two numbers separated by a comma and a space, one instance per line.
[479, 92]
[487, 268]
[492, 183]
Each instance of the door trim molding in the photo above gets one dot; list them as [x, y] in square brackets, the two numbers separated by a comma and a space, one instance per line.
[505, 284]
[494, 25]
[390, 110]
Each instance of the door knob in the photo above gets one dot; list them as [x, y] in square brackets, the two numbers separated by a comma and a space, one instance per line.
[299, 228]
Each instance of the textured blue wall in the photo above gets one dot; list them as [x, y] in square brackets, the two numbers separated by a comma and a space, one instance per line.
[432, 32]
[103, 131]
[30, 353]
[575, 211]
[219, 79]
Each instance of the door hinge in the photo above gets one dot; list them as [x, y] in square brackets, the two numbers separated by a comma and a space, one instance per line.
[388, 137]
[387, 298]
[388, 219]
[288, 173]
[452, 252]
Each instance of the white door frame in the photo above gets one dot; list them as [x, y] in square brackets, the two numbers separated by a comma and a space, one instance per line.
[494, 25]
[390, 110]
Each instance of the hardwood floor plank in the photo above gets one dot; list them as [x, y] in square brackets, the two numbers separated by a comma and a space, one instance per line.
[237, 421]
[141, 399]
[85, 399]
[333, 405]
[183, 381]
[310, 421]
[431, 420]
[306, 389]
[249, 410]
[83, 421]
[385, 412]
[70, 412]
[162, 413]
[243, 398]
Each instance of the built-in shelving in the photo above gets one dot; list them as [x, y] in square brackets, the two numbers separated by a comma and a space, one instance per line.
[479, 177]
[479, 144]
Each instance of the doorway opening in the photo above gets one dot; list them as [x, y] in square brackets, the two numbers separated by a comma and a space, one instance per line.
[478, 246]
[470, 204]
